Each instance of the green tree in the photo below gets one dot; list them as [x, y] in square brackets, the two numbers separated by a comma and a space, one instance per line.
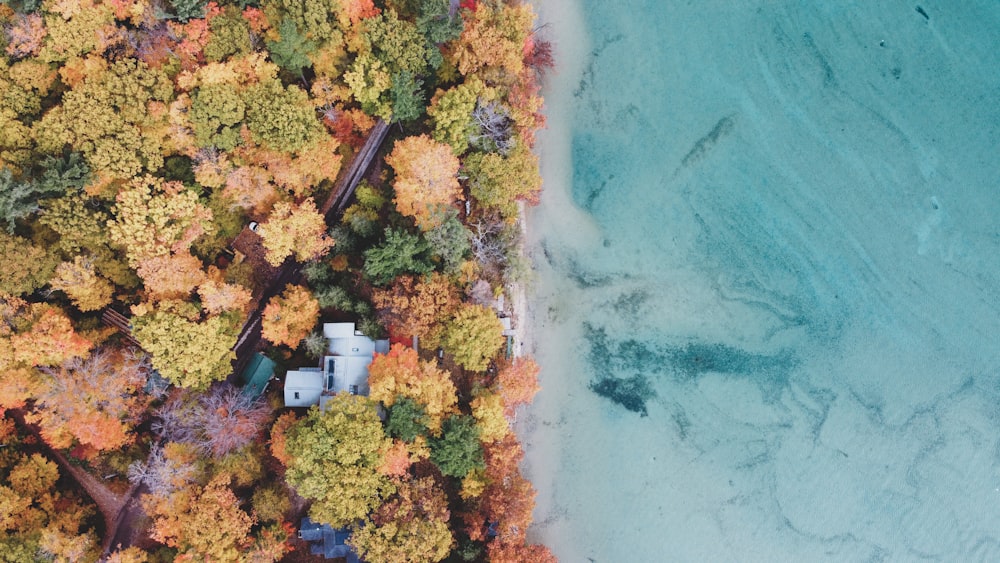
[281, 118]
[473, 336]
[230, 35]
[291, 51]
[18, 199]
[62, 174]
[185, 10]
[217, 111]
[400, 252]
[450, 241]
[407, 98]
[188, 353]
[333, 460]
[458, 451]
[437, 22]
[406, 420]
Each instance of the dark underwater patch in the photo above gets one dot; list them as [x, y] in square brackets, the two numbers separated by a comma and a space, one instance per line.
[631, 393]
[686, 362]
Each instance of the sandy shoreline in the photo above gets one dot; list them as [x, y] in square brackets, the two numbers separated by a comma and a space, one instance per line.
[542, 448]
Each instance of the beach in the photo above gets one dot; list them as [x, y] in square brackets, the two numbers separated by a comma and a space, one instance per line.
[766, 291]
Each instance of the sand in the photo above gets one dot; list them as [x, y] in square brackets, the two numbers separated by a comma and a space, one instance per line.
[780, 220]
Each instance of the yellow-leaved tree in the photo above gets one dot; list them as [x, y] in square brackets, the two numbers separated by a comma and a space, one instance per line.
[155, 218]
[333, 460]
[473, 336]
[188, 353]
[426, 179]
[78, 280]
[412, 525]
[294, 229]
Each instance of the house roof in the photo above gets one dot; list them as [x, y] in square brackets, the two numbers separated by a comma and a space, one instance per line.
[303, 387]
[326, 541]
[343, 369]
[256, 375]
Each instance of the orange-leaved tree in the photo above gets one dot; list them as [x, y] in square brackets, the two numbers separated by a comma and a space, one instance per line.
[516, 383]
[93, 402]
[401, 373]
[426, 179]
[202, 523]
[289, 317]
[419, 307]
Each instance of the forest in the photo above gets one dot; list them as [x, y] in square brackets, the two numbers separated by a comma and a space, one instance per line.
[183, 188]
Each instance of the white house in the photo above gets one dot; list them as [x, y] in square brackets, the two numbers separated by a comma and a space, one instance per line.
[343, 369]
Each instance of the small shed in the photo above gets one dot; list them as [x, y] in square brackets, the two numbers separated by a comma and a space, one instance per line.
[257, 374]
[303, 387]
[326, 541]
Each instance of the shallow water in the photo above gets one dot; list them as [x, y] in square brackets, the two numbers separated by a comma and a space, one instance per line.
[767, 300]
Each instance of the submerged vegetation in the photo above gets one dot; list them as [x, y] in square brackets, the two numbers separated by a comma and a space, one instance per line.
[168, 177]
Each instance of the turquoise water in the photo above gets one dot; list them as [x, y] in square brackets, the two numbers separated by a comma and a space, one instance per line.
[767, 302]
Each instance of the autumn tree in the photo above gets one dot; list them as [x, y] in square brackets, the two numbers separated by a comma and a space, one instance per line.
[334, 458]
[107, 117]
[401, 373]
[516, 383]
[473, 336]
[217, 297]
[294, 229]
[153, 218]
[24, 267]
[44, 336]
[498, 182]
[417, 306]
[171, 276]
[202, 523]
[217, 110]
[457, 451]
[410, 526]
[501, 552]
[93, 402]
[493, 40]
[508, 499]
[217, 423]
[229, 35]
[451, 113]
[79, 281]
[288, 318]
[38, 517]
[488, 410]
[279, 436]
[426, 179]
[188, 353]
[281, 117]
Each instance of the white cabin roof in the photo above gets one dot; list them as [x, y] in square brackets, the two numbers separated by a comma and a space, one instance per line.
[303, 387]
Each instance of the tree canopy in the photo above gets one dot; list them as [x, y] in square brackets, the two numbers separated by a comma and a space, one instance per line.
[334, 457]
